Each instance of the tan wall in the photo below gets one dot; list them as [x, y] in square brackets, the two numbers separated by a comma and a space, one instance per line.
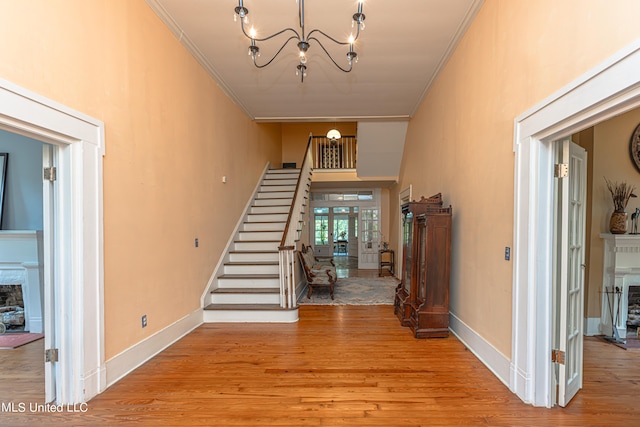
[171, 134]
[296, 135]
[611, 160]
[460, 142]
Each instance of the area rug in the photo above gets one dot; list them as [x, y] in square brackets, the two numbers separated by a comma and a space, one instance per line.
[10, 341]
[632, 343]
[355, 291]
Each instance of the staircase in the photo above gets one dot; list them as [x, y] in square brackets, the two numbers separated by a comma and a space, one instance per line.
[248, 290]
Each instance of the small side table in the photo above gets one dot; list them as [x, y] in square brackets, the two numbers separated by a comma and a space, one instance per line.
[386, 262]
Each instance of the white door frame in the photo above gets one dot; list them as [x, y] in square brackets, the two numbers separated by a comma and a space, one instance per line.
[609, 89]
[78, 234]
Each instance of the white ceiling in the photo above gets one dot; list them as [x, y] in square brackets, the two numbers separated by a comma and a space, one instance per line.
[401, 50]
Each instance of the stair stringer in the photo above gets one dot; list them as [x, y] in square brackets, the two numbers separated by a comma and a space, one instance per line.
[213, 280]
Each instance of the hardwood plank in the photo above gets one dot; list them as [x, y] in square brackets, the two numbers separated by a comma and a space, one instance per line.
[324, 371]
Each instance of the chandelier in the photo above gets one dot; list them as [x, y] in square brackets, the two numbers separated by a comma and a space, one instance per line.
[302, 38]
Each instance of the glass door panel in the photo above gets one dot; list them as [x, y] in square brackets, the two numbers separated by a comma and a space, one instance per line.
[341, 230]
[321, 243]
[369, 232]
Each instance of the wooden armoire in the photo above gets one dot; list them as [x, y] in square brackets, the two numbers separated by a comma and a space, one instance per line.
[422, 297]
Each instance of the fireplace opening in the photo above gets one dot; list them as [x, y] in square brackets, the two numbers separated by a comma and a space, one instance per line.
[12, 307]
[633, 317]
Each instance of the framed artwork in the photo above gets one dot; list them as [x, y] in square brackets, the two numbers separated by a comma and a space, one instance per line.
[634, 148]
[4, 158]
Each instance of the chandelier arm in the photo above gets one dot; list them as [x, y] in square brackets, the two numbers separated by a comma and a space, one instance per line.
[346, 70]
[331, 38]
[327, 36]
[276, 54]
[269, 37]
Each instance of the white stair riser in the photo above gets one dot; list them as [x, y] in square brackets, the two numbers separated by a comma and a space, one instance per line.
[295, 172]
[253, 256]
[281, 181]
[267, 188]
[266, 298]
[259, 235]
[282, 209]
[256, 246]
[262, 226]
[274, 194]
[251, 269]
[271, 202]
[269, 217]
[248, 283]
[243, 316]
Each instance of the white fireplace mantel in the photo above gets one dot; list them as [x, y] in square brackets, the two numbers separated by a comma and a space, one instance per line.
[21, 264]
[621, 269]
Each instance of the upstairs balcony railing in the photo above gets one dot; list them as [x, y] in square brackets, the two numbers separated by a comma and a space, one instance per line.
[339, 153]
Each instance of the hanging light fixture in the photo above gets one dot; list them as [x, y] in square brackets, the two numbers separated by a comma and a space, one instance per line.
[303, 39]
[334, 134]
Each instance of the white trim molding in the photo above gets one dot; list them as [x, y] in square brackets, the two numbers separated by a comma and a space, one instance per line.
[497, 362]
[135, 356]
[77, 236]
[609, 89]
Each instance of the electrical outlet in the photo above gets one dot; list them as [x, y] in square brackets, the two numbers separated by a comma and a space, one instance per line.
[196, 242]
[144, 320]
[507, 253]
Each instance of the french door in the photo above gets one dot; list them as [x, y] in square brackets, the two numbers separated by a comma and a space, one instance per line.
[369, 238]
[569, 270]
[334, 231]
[49, 160]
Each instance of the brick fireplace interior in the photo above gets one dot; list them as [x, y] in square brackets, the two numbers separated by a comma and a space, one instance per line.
[12, 307]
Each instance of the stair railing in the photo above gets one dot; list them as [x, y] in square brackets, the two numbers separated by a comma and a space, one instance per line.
[338, 153]
[292, 229]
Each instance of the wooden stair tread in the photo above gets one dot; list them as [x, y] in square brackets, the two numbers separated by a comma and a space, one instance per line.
[265, 222]
[254, 252]
[249, 276]
[276, 191]
[247, 307]
[251, 263]
[246, 291]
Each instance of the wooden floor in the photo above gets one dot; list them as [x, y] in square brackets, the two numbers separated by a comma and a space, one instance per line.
[338, 366]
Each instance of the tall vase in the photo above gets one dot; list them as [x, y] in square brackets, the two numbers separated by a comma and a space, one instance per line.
[618, 222]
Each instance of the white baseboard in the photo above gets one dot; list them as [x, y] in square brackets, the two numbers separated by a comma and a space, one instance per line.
[124, 363]
[592, 326]
[488, 354]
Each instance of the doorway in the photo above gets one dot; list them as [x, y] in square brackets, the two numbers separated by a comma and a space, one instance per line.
[575, 107]
[23, 233]
[346, 223]
[76, 238]
[335, 231]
